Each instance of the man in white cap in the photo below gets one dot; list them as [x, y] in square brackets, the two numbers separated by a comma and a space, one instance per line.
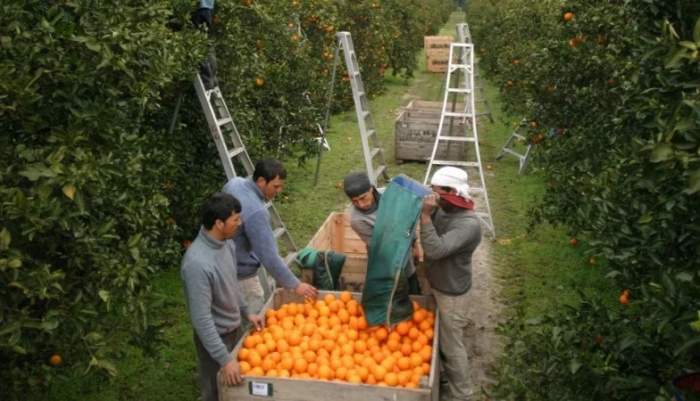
[450, 232]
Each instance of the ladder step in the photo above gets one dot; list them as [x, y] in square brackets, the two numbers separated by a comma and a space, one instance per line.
[290, 258]
[455, 163]
[278, 232]
[365, 113]
[379, 172]
[455, 114]
[235, 152]
[356, 73]
[455, 138]
[513, 153]
[224, 121]
[370, 132]
[459, 90]
[374, 153]
[458, 66]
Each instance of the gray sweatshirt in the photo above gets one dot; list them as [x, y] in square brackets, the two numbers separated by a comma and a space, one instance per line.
[449, 240]
[213, 297]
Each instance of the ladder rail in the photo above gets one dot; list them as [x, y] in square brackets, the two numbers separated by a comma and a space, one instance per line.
[371, 148]
[465, 63]
[219, 118]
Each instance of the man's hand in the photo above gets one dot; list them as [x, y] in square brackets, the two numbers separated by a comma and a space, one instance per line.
[257, 321]
[306, 290]
[430, 202]
[231, 374]
[418, 254]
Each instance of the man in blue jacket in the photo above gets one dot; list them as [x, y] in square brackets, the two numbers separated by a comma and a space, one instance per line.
[255, 242]
[214, 299]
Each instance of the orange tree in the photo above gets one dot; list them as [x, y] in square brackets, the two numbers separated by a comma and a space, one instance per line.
[613, 89]
[99, 183]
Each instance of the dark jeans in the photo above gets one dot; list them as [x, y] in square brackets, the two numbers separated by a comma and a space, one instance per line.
[207, 70]
[208, 368]
[413, 285]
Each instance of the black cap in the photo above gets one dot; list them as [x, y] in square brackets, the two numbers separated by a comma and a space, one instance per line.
[356, 183]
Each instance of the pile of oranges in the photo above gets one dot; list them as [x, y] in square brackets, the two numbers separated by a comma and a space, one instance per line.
[329, 339]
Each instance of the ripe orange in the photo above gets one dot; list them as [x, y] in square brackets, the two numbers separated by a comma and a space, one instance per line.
[254, 359]
[391, 379]
[418, 316]
[245, 367]
[243, 354]
[426, 353]
[404, 363]
[379, 372]
[416, 360]
[300, 365]
[329, 298]
[403, 328]
[55, 360]
[325, 372]
[256, 371]
[568, 16]
[361, 323]
[259, 82]
[345, 296]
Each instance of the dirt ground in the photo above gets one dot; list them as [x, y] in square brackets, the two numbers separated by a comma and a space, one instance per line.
[482, 341]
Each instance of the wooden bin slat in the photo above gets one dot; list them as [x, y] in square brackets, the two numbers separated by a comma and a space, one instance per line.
[415, 130]
[288, 389]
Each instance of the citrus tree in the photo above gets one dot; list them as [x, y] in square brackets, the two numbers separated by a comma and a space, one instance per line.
[612, 91]
[101, 180]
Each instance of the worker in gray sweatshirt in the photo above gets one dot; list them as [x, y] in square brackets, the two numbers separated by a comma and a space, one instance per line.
[255, 243]
[213, 296]
[450, 232]
[364, 198]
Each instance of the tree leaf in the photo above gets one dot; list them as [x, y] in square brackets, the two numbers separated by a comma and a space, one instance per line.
[5, 239]
[104, 295]
[696, 31]
[693, 182]
[69, 191]
[661, 152]
[574, 366]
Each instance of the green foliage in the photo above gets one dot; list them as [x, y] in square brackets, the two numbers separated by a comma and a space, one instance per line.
[615, 94]
[97, 190]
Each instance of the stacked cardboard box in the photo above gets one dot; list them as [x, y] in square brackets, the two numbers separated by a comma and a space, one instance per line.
[437, 50]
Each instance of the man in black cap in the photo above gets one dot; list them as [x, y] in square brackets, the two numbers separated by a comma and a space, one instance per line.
[363, 214]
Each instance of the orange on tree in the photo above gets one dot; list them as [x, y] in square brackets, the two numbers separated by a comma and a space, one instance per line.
[568, 16]
[55, 360]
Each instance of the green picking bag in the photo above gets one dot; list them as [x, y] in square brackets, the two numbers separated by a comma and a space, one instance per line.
[326, 267]
[385, 296]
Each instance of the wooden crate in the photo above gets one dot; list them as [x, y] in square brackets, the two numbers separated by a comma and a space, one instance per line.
[437, 43]
[437, 61]
[336, 235]
[415, 130]
[297, 389]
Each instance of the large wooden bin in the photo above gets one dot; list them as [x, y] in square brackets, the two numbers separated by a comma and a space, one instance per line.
[336, 235]
[298, 389]
[415, 130]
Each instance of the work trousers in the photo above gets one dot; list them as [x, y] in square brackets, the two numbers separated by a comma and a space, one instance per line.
[453, 351]
[253, 293]
[208, 368]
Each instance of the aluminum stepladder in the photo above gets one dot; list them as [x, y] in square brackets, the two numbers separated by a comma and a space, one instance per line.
[464, 36]
[514, 138]
[222, 127]
[461, 61]
[371, 148]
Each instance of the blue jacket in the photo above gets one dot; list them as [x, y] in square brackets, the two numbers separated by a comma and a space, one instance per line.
[255, 241]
